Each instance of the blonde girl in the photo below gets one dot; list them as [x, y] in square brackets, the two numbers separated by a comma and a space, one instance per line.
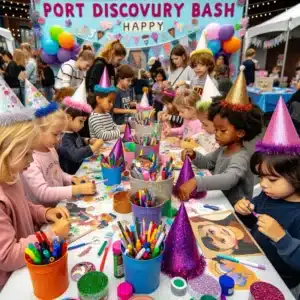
[19, 218]
[110, 57]
[45, 182]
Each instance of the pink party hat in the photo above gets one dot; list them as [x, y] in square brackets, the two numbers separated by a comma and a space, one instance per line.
[127, 137]
[281, 136]
[187, 173]
[181, 256]
[118, 153]
[104, 80]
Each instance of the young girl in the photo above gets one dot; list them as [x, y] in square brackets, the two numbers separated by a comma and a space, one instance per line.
[45, 182]
[20, 218]
[158, 88]
[186, 106]
[235, 120]
[276, 224]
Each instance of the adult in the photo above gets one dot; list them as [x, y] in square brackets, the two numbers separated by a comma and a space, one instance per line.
[250, 66]
[110, 57]
[31, 65]
[72, 72]
[179, 70]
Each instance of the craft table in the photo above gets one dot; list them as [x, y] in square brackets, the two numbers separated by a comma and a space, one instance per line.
[267, 100]
[19, 285]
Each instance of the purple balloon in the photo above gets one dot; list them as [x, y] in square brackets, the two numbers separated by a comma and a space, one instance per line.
[76, 49]
[226, 32]
[64, 55]
[48, 59]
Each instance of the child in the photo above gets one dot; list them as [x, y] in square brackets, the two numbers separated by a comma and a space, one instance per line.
[250, 66]
[48, 80]
[63, 93]
[276, 75]
[44, 180]
[186, 106]
[158, 88]
[125, 96]
[235, 121]
[277, 225]
[74, 148]
[20, 218]
[139, 83]
[101, 123]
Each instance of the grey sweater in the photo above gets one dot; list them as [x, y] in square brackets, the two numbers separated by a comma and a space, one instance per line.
[231, 174]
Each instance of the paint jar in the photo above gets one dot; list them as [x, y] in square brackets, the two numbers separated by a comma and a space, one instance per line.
[118, 260]
[124, 291]
[93, 286]
[227, 285]
[112, 175]
[51, 280]
[121, 202]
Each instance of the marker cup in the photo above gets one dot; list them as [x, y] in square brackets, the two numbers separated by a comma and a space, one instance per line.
[51, 280]
[112, 175]
[148, 213]
[142, 131]
[147, 150]
[143, 275]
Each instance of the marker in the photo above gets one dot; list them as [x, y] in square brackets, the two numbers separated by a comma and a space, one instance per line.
[140, 254]
[212, 207]
[157, 245]
[32, 256]
[149, 231]
[241, 261]
[102, 248]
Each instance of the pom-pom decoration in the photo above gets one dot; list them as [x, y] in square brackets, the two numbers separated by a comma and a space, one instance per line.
[77, 105]
[46, 110]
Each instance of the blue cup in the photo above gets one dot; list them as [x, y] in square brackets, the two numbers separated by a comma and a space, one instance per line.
[143, 275]
[112, 176]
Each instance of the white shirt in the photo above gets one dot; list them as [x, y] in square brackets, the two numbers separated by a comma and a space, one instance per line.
[187, 75]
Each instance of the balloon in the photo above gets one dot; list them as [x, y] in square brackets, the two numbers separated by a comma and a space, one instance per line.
[214, 46]
[48, 59]
[50, 47]
[212, 31]
[66, 40]
[55, 32]
[226, 32]
[76, 49]
[64, 55]
[232, 45]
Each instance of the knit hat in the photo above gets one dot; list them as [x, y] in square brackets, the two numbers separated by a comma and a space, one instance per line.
[104, 85]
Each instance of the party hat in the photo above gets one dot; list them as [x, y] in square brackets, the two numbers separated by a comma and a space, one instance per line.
[118, 153]
[210, 90]
[127, 137]
[33, 97]
[144, 104]
[237, 98]
[281, 136]
[104, 85]
[181, 256]
[186, 173]
[78, 100]
[202, 45]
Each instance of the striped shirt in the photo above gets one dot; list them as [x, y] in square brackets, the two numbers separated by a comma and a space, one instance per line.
[102, 127]
[69, 75]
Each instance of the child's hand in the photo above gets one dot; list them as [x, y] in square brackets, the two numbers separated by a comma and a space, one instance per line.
[186, 189]
[88, 188]
[97, 145]
[80, 179]
[270, 227]
[57, 213]
[93, 141]
[244, 207]
[122, 128]
[188, 152]
[132, 104]
[61, 228]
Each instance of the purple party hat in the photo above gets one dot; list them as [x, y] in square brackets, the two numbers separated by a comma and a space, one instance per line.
[281, 136]
[118, 152]
[104, 80]
[181, 256]
[187, 173]
[127, 137]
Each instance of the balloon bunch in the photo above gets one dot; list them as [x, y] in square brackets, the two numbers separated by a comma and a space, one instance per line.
[221, 38]
[60, 47]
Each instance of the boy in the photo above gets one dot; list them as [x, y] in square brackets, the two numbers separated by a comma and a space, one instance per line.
[124, 99]
[250, 66]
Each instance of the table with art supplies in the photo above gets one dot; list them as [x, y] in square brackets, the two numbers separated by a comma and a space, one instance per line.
[267, 100]
[134, 240]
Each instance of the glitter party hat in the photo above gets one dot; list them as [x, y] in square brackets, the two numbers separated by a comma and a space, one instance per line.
[187, 173]
[33, 97]
[281, 136]
[104, 85]
[237, 98]
[78, 100]
[181, 256]
[117, 152]
[127, 137]
[202, 45]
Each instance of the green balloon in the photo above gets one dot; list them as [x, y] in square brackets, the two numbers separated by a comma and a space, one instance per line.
[55, 31]
[237, 27]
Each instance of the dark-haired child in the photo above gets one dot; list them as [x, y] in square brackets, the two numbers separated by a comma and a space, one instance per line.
[158, 88]
[276, 226]
[74, 148]
[235, 121]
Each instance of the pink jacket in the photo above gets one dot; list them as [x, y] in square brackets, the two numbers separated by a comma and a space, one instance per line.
[18, 220]
[44, 181]
[188, 129]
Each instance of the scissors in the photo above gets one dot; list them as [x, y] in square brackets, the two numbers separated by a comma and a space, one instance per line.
[95, 241]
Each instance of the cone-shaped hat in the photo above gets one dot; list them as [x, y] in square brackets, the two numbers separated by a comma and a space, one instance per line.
[181, 255]
[104, 85]
[127, 137]
[202, 45]
[118, 152]
[210, 90]
[33, 97]
[281, 136]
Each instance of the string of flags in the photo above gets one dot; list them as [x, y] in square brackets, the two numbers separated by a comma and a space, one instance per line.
[259, 43]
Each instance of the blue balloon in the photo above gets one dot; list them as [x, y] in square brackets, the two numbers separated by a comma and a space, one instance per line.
[50, 47]
[214, 46]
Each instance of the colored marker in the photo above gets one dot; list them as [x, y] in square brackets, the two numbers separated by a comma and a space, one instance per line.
[149, 231]
[241, 261]
[140, 254]
[212, 207]
[102, 248]
[157, 245]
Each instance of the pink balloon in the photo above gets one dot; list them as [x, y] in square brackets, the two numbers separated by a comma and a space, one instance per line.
[212, 31]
